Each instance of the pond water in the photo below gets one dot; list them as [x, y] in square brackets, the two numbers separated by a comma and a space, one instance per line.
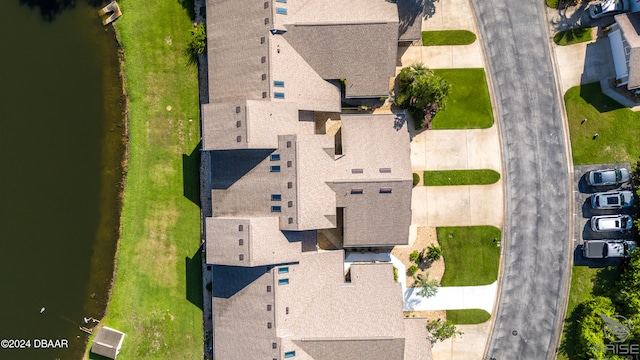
[61, 146]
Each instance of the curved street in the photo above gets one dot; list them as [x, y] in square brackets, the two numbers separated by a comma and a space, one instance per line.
[536, 234]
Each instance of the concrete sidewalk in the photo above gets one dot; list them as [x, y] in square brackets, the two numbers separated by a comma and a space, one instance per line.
[442, 57]
[453, 298]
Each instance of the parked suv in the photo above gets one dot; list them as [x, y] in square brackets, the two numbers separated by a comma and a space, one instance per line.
[612, 200]
[600, 249]
[611, 223]
[607, 7]
[607, 177]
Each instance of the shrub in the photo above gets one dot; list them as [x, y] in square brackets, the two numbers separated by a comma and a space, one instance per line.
[197, 43]
[434, 253]
[415, 257]
[395, 273]
[442, 330]
[413, 269]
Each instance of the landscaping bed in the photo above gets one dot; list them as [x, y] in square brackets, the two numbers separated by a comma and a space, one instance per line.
[460, 177]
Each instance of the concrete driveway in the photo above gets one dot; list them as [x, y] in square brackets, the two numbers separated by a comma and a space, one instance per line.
[456, 149]
[458, 205]
[469, 346]
[584, 63]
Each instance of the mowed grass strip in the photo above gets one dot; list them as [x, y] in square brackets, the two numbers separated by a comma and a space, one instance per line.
[447, 37]
[460, 177]
[572, 36]
[468, 316]
[590, 112]
[469, 104]
[156, 297]
[471, 254]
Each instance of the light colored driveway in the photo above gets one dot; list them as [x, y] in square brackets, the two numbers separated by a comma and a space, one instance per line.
[469, 346]
[458, 205]
[453, 298]
[449, 15]
[442, 57]
[584, 63]
[456, 149]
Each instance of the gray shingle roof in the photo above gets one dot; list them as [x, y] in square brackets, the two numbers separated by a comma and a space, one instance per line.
[107, 342]
[356, 349]
[362, 53]
[630, 25]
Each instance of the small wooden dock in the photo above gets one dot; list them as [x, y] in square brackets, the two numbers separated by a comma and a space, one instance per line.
[113, 8]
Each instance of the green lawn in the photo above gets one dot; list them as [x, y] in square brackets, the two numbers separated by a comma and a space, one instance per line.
[156, 297]
[469, 105]
[572, 36]
[471, 255]
[468, 316]
[585, 283]
[447, 37]
[460, 177]
[590, 112]
[552, 3]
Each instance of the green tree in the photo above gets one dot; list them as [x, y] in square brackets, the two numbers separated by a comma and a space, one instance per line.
[434, 253]
[422, 92]
[590, 339]
[442, 330]
[628, 287]
[428, 288]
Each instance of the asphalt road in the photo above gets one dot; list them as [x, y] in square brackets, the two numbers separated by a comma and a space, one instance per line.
[537, 236]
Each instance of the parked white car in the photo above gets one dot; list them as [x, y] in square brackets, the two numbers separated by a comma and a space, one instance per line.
[611, 223]
[612, 200]
[608, 7]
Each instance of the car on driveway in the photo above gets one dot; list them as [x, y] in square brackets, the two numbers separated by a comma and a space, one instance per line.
[612, 200]
[611, 223]
[607, 177]
[600, 249]
[607, 7]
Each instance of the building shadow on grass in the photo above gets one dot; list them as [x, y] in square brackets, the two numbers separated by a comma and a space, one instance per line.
[189, 6]
[93, 356]
[592, 94]
[191, 175]
[50, 9]
[193, 273]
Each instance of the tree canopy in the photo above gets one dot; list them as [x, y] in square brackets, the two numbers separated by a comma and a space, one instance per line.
[422, 92]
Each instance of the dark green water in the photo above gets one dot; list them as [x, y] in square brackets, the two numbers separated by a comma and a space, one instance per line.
[61, 144]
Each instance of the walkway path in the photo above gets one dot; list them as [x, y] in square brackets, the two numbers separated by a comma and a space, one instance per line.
[535, 266]
[453, 298]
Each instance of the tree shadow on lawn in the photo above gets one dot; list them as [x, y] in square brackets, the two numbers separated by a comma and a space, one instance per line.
[571, 34]
[189, 6]
[592, 94]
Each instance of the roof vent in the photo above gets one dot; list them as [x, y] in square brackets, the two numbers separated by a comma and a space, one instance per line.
[385, 170]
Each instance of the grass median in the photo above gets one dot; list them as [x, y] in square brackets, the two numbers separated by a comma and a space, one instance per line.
[468, 316]
[460, 177]
[447, 37]
[156, 297]
[572, 36]
[469, 104]
[471, 254]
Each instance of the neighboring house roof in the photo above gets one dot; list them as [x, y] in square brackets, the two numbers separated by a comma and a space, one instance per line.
[630, 25]
[257, 241]
[315, 316]
[242, 308]
[364, 54]
[107, 342]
